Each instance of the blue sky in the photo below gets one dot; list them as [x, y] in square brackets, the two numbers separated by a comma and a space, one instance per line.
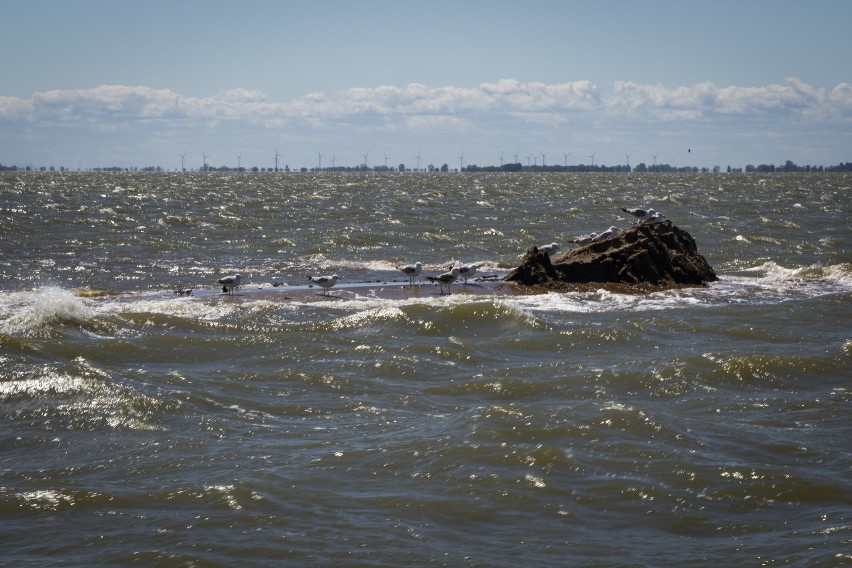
[89, 83]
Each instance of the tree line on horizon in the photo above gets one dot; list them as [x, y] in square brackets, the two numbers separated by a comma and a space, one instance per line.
[788, 167]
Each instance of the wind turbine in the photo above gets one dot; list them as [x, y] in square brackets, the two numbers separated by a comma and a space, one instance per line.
[627, 158]
[593, 159]
[239, 161]
[386, 161]
[529, 157]
[365, 159]
[182, 161]
[543, 156]
[333, 160]
[320, 160]
[566, 154]
[501, 159]
[461, 161]
[204, 164]
[418, 159]
[655, 158]
[515, 155]
[276, 159]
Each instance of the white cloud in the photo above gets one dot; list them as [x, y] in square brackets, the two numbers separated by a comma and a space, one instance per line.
[503, 113]
[104, 102]
[509, 97]
[13, 108]
[707, 100]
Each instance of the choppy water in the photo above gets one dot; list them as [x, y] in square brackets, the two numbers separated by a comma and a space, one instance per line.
[708, 426]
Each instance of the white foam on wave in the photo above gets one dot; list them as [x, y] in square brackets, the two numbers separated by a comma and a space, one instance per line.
[766, 283]
[183, 307]
[24, 313]
[369, 315]
[839, 274]
[774, 285]
[602, 301]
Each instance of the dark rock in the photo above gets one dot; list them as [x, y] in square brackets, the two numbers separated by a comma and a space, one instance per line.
[659, 254]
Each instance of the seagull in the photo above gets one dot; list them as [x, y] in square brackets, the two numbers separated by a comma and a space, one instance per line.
[550, 249]
[467, 272]
[446, 278]
[640, 214]
[611, 232]
[325, 282]
[655, 218]
[583, 239]
[411, 270]
[230, 283]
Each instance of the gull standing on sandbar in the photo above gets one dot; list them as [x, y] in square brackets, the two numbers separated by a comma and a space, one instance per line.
[411, 270]
[467, 272]
[230, 283]
[446, 278]
[325, 282]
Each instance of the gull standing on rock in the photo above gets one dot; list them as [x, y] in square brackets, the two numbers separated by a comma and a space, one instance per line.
[611, 232]
[230, 283]
[583, 239]
[550, 249]
[411, 270]
[655, 218]
[640, 214]
[446, 278]
[325, 282]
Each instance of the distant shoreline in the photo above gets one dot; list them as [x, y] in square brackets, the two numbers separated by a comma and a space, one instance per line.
[845, 167]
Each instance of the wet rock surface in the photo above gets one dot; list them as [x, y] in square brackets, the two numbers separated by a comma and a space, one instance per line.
[658, 255]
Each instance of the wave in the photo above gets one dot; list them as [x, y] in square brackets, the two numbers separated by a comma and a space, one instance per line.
[770, 283]
[78, 395]
[603, 300]
[43, 310]
[839, 274]
[33, 312]
[445, 315]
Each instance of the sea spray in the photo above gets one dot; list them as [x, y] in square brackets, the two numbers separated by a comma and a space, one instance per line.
[31, 313]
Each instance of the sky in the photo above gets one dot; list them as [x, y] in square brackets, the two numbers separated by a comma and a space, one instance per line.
[99, 83]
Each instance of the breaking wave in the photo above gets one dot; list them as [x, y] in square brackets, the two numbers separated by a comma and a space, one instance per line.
[34, 312]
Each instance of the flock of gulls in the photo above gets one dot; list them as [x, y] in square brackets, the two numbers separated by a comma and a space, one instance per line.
[412, 271]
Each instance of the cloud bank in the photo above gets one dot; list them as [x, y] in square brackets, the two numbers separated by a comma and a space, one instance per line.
[120, 102]
[506, 106]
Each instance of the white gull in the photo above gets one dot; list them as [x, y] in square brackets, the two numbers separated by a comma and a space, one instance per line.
[467, 271]
[640, 214]
[446, 278]
[583, 239]
[325, 282]
[230, 283]
[611, 232]
[411, 270]
[550, 249]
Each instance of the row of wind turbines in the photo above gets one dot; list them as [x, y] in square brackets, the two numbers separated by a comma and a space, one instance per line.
[530, 158]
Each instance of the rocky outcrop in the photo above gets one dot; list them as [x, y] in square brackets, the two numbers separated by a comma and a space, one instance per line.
[659, 254]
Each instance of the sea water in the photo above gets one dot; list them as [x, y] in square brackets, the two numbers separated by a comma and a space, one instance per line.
[704, 426]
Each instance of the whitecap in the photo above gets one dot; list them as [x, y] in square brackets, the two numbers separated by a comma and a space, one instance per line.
[840, 274]
[23, 313]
